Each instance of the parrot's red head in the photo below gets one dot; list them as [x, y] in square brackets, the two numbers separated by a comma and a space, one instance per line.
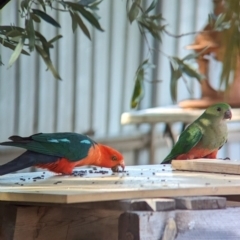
[110, 158]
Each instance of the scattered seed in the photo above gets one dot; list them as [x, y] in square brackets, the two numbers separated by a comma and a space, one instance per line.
[101, 171]
[79, 173]
[57, 182]
[36, 178]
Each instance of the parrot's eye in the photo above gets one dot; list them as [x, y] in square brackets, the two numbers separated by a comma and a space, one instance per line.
[114, 158]
[219, 109]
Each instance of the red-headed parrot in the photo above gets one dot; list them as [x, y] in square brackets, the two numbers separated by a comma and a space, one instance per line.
[204, 137]
[60, 153]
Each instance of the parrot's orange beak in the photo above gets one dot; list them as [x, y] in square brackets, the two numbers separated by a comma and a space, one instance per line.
[228, 114]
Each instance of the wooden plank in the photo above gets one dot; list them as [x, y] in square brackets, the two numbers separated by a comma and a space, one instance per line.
[8, 215]
[100, 184]
[151, 204]
[208, 165]
[158, 204]
[29, 222]
[200, 202]
[184, 224]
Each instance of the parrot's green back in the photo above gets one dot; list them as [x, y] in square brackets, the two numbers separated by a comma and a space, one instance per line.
[209, 131]
[72, 146]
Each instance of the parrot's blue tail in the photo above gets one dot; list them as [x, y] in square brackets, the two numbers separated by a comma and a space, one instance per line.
[27, 159]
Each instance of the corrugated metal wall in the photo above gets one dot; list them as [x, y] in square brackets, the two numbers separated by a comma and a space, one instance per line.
[97, 75]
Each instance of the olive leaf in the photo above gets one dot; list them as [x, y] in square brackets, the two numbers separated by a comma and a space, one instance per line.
[86, 14]
[134, 11]
[55, 39]
[74, 22]
[152, 6]
[175, 75]
[46, 17]
[17, 51]
[31, 33]
[47, 61]
[138, 91]
[12, 46]
[82, 25]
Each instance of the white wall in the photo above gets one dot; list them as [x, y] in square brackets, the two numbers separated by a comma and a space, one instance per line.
[97, 75]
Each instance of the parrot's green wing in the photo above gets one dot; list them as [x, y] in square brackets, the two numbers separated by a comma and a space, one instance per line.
[187, 140]
[72, 146]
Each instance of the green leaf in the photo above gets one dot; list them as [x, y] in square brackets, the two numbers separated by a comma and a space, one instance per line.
[152, 28]
[86, 2]
[31, 33]
[5, 43]
[48, 61]
[191, 72]
[194, 55]
[5, 29]
[82, 25]
[35, 18]
[86, 14]
[152, 6]
[94, 6]
[24, 5]
[138, 89]
[134, 11]
[46, 17]
[55, 39]
[14, 33]
[156, 17]
[145, 62]
[16, 52]
[175, 75]
[46, 45]
[219, 20]
[1, 63]
[74, 22]
[42, 4]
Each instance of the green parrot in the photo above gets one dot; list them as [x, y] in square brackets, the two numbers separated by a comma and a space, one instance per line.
[204, 137]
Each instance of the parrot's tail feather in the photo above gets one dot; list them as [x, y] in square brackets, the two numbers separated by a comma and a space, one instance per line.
[27, 159]
[167, 162]
[16, 138]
